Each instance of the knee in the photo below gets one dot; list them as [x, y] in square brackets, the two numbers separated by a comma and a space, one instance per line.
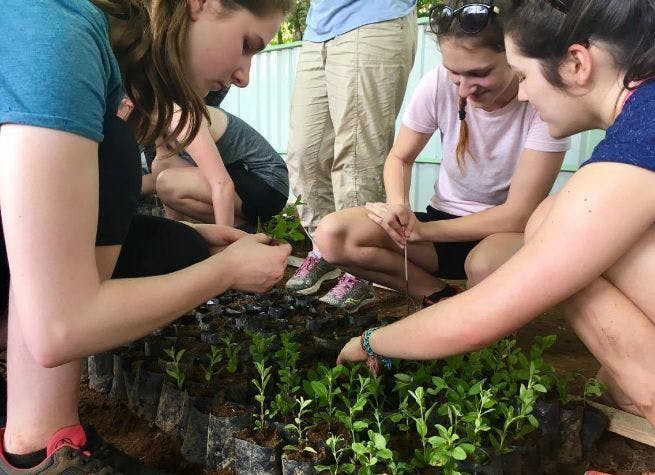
[330, 238]
[478, 265]
[165, 186]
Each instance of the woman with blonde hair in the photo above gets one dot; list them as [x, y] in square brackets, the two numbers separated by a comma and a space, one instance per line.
[498, 162]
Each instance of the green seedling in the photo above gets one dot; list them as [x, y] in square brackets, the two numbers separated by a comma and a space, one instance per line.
[299, 427]
[213, 370]
[259, 351]
[422, 455]
[286, 225]
[519, 422]
[264, 373]
[323, 389]
[369, 453]
[338, 448]
[232, 353]
[354, 407]
[289, 378]
[447, 450]
[592, 388]
[175, 370]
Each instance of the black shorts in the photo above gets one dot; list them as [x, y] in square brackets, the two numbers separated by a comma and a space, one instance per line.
[151, 245]
[259, 199]
[451, 255]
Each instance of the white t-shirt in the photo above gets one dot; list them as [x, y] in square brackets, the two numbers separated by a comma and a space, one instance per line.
[496, 141]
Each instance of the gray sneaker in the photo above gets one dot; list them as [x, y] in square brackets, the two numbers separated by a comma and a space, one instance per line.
[350, 294]
[311, 274]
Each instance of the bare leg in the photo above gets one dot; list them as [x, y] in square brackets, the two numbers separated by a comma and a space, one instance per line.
[41, 400]
[613, 395]
[186, 194]
[490, 254]
[615, 318]
[350, 240]
[159, 165]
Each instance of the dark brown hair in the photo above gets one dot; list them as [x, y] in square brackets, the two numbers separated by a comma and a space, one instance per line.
[492, 37]
[150, 51]
[624, 27]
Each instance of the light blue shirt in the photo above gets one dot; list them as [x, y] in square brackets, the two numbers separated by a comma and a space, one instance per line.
[329, 18]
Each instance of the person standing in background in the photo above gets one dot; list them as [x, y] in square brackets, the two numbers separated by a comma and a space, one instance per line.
[350, 82]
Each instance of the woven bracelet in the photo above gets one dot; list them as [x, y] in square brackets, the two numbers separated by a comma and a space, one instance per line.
[366, 346]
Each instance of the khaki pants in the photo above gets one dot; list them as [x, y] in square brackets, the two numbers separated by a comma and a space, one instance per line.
[347, 95]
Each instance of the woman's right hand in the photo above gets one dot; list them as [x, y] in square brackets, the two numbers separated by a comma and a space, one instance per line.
[398, 220]
[256, 263]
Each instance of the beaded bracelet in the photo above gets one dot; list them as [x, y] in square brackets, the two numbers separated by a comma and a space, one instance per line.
[366, 346]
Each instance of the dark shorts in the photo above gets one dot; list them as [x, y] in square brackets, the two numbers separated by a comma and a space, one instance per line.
[151, 245]
[451, 255]
[260, 200]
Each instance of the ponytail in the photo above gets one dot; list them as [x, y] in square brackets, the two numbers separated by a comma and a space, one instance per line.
[462, 143]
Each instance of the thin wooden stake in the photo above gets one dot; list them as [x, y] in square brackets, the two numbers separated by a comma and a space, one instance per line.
[406, 242]
[628, 425]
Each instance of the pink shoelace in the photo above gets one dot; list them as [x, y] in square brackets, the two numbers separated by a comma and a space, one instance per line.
[345, 284]
[307, 265]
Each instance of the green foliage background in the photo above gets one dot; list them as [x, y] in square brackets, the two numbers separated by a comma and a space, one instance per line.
[293, 28]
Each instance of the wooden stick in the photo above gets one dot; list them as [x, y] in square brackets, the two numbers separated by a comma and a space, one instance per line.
[406, 243]
[626, 424]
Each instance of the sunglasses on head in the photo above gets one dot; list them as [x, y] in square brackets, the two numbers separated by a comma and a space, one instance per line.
[562, 5]
[473, 18]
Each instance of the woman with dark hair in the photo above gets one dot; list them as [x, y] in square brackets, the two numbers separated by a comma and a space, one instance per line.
[69, 181]
[498, 163]
[583, 65]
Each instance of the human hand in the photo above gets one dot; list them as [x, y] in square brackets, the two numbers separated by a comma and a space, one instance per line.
[256, 264]
[397, 220]
[418, 233]
[216, 236]
[352, 352]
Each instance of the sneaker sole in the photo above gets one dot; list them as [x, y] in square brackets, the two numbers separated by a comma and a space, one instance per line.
[314, 288]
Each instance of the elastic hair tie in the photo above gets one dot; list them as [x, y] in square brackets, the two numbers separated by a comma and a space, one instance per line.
[462, 114]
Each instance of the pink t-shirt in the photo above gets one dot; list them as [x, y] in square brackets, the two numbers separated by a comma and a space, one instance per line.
[496, 140]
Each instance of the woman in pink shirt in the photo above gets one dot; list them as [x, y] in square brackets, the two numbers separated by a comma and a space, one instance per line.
[498, 163]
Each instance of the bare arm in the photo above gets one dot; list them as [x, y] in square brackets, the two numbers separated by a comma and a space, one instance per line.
[395, 216]
[49, 199]
[406, 148]
[531, 182]
[571, 248]
[205, 153]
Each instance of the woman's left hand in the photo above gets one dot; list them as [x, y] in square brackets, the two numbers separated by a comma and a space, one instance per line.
[352, 352]
[218, 237]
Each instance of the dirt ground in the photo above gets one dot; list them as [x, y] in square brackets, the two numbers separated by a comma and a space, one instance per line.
[136, 437]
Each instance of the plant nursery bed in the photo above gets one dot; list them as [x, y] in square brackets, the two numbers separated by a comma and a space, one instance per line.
[378, 421]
